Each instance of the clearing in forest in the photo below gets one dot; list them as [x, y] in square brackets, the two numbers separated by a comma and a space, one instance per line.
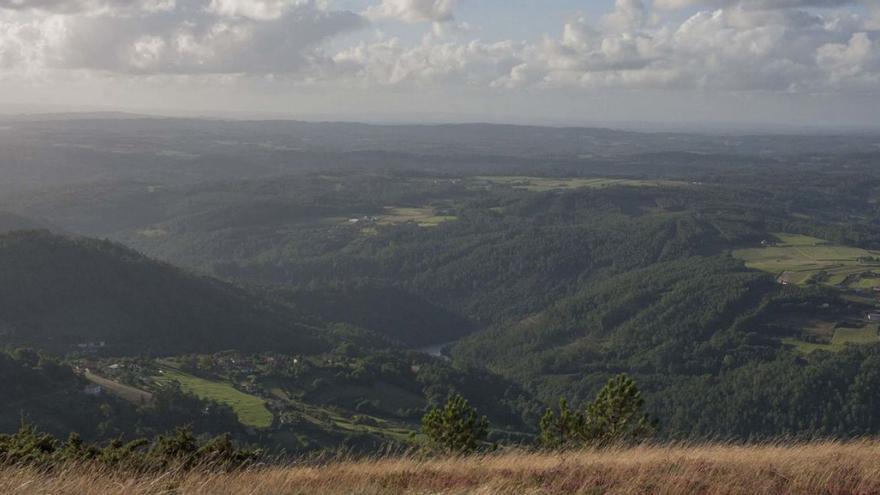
[251, 410]
[423, 217]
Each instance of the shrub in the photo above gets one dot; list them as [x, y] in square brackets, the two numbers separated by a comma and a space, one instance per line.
[181, 450]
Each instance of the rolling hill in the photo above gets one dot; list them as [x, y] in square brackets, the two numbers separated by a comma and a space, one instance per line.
[62, 293]
[11, 221]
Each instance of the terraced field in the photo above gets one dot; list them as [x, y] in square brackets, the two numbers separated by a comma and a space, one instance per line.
[799, 259]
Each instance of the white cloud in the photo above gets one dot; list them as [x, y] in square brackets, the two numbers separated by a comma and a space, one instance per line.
[183, 37]
[727, 49]
[413, 10]
[253, 9]
[88, 6]
[752, 4]
[853, 64]
[733, 46]
[627, 15]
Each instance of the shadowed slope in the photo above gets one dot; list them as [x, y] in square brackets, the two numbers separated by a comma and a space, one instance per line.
[60, 292]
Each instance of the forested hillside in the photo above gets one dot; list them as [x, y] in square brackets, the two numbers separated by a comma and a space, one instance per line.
[62, 293]
[332, 305]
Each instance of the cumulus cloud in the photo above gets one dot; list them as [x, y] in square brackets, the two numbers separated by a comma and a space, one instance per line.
[389, 62]
[735, 48]
[723, 45]
[413, 10]
[854, 64]
[88, 6]
[752, 4]
[182, 37]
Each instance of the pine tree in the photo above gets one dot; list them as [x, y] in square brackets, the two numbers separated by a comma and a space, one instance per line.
[456, 428]
[616, 415]
[561, 430]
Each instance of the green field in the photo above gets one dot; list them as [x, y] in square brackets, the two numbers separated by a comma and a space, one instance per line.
[842, 338]
[866, 335]
[424, 217]
[799, 259]
[551, 183]
[251, 410]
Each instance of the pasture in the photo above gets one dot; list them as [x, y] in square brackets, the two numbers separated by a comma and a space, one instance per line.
[840, 339]
[800, 259]
[423, 217]
[251, 410]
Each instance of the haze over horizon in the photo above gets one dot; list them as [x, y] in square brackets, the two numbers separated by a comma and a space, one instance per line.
[798, 63]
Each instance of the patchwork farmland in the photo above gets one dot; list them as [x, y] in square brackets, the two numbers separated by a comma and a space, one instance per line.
[559, 183]
[799, 259]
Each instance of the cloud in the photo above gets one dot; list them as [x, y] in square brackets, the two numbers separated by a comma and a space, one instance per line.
[735, 49]
[413, 10]
[88, 6]
[855, 64]
[183, 37]
[752, 4]
[732, 46]
[252, 9]
[627, 15]
[873, 21]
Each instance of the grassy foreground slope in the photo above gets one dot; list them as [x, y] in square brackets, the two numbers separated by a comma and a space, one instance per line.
[834, 468]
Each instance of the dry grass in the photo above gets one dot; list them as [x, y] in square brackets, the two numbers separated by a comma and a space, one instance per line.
[817, 468]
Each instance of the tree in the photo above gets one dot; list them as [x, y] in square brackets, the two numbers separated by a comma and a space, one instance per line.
[563, 429]
[615, 417]
[456, 428]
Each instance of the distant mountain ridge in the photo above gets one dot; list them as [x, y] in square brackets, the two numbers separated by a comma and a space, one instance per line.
[12, 221]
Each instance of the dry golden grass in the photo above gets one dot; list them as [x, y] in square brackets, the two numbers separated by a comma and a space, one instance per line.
[816, 468]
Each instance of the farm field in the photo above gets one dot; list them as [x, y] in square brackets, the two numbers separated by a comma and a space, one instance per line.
[131, 394]
[423, 217]
[841, 338]
[799, 259]
[251, 410]
[550, 183]
[866, 335]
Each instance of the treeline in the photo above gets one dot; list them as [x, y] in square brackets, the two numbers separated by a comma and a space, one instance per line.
[180, 450]
[614, 418]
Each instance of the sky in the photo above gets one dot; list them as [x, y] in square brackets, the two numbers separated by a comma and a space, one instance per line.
[804, 63]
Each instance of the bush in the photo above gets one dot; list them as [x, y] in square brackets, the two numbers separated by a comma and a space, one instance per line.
[181, 450]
